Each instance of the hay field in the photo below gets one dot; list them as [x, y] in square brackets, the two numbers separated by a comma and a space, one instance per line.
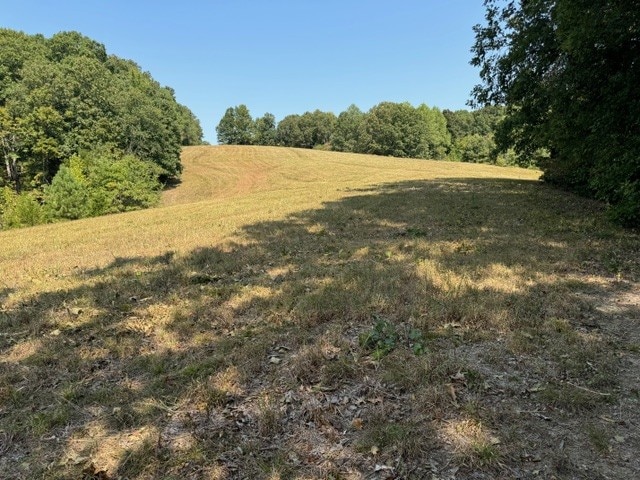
[298, 314]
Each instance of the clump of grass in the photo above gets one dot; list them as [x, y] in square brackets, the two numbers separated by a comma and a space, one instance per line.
[407, 439]
[306, 366]
[599, 438]
[44, 422]
[269, 417]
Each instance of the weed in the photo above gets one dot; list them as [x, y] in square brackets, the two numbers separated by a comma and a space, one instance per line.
[417, 341]
[381, 339]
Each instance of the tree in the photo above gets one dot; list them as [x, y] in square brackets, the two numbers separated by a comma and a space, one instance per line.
[101, 182]
[288, 133]
[236, 127]
[348, 133]
[10, 143]
[65, 95]
[567, 71]
[475, 148]
[190, 129]
[265, 130]
[436, 139]
[460, 123]
[309, 130]
[395, 129]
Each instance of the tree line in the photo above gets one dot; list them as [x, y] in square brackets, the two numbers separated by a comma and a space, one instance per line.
[392, 129]
[82, 132]
[568, 72]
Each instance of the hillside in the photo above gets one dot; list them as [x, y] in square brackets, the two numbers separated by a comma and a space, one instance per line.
[305, 314]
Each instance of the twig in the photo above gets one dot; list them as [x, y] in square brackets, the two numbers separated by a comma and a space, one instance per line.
[588, 389]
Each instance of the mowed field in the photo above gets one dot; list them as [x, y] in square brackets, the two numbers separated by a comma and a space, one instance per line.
[303, 314]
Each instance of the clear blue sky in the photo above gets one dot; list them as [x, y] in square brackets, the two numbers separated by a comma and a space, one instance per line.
[278, 56]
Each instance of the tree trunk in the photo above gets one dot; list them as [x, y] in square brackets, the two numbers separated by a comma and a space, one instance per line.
[11, 163]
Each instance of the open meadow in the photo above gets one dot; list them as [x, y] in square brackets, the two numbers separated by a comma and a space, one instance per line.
[301, 314]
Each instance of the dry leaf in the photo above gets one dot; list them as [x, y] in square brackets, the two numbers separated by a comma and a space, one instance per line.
[357, 423]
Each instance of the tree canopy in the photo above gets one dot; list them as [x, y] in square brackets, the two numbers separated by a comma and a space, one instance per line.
[65, 96]
[567, 72]
[389, 128]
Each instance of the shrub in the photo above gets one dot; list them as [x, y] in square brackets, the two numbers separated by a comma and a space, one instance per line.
[20, 210]
[99, 183]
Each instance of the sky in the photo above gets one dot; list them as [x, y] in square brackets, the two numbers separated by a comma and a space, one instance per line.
[278, 56]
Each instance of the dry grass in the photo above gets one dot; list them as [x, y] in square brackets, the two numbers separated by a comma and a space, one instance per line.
[221, 336]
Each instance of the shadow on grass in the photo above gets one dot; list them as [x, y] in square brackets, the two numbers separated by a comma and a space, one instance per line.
[230, 359]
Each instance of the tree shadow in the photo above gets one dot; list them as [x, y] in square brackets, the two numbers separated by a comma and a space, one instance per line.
[237, 359]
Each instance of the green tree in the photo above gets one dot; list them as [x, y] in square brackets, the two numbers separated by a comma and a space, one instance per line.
[190, 128]
[101, 182]
[395, 129]
[348, 133]
[236, 127]
[567, 71]
[66, 94]
[436, 139]
[288, 133]
[265, 130]
[475, 148]
[309, 130]
[67, 197]
[460, 123]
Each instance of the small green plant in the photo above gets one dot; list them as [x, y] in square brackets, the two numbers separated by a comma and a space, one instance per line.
[417, 342]
[381, 339]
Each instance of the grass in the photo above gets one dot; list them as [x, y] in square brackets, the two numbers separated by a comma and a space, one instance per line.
[286, 311]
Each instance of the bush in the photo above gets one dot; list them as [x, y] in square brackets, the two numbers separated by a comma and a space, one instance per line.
[101, 183]
[20, 210]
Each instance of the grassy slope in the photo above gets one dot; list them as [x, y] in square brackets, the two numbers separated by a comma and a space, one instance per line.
[218, 336]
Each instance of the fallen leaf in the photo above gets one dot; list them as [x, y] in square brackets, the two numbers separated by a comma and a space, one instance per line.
[357, 423]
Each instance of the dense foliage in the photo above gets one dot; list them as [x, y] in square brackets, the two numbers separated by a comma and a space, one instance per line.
[568, 73]
[65, 96]
[393, 129]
